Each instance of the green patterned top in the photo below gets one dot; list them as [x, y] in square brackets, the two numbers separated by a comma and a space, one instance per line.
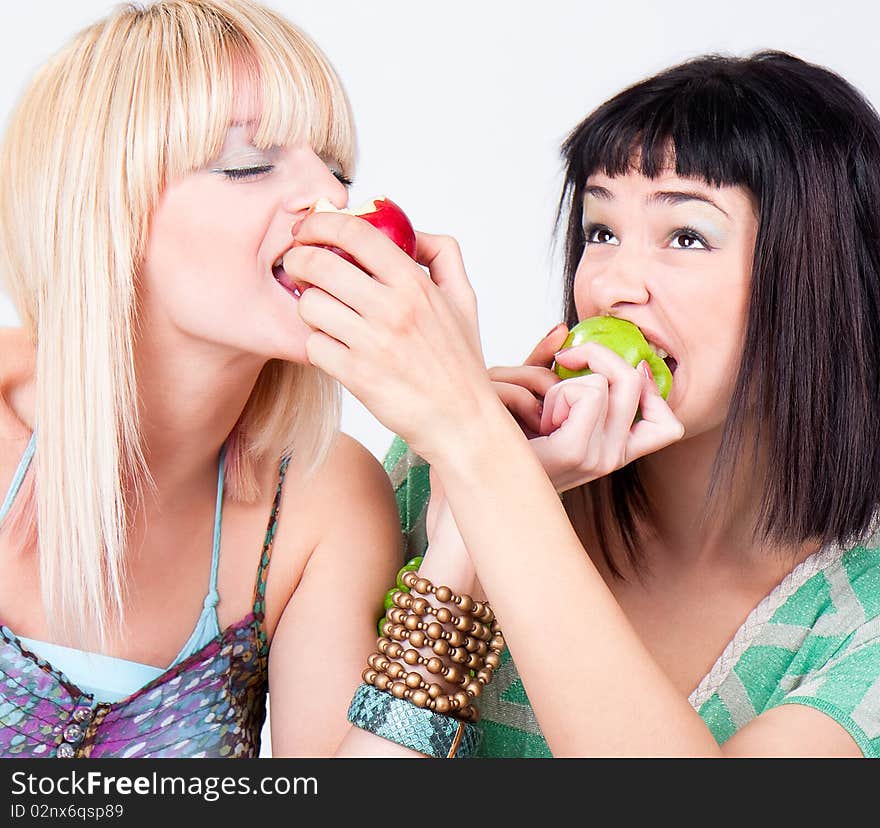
[814, 640]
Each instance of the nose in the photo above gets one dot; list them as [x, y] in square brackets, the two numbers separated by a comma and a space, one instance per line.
[622, 280]
[310, 179]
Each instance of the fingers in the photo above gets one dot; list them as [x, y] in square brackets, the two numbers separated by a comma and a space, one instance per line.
[544, 351]
[583, 436]
[369, 247]
[537, 380]
[659, 427]
[442, 256]
[522, 388]
[575, 359]
[572, 453]
[335, 276]
[328, 354]
[626, 387]
[562, 397]
[521, 404]
[322, 312]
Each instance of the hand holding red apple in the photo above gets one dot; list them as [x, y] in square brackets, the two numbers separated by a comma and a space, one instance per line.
[404, 342]
[384, 215]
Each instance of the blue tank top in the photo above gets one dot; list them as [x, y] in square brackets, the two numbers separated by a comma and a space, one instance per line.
[112, 679]
[209, 704]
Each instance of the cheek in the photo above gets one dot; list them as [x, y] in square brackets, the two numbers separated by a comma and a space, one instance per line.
[199, 240]
[583, 301]
[716, 336]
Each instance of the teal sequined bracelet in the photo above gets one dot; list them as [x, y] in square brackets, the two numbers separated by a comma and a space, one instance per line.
[413, 727]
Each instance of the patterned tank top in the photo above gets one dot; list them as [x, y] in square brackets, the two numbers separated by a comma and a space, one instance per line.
[211, 704]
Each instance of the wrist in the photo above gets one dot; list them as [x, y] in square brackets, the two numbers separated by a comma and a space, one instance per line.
[468, 441]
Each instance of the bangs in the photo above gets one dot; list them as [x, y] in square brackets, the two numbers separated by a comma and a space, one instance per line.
[806, 145]
[705, 129]
[203, 65]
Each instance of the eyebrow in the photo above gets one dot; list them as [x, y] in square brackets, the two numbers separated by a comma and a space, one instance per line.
[673, 197]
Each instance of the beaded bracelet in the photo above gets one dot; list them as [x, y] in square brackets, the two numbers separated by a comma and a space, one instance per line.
[472, 646]
[411, 565]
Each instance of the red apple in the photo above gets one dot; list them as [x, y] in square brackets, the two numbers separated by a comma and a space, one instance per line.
[381, 212]
[384, 215]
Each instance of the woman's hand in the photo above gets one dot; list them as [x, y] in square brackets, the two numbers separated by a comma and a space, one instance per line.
[587, 423]
[522, 388]
[406, 344]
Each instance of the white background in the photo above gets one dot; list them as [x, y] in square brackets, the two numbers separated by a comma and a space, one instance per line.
[461, 107]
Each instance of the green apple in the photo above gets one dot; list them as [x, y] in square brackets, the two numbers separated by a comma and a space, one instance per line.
[622, 337]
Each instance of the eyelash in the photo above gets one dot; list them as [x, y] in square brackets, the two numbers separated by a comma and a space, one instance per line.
[689, 231]
[593, 228]
[680, 231]
[238, 173]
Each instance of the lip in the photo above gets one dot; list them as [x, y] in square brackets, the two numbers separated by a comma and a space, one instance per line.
[655, 339]
[293, 286]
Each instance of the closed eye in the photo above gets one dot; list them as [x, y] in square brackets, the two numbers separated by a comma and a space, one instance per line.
[238, 173]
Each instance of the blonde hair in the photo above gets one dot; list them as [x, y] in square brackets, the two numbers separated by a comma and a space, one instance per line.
[131, 103]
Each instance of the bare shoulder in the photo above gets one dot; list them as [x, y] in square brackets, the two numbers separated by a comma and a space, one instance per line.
[349, 503]
[351, 472]
[351, 492]
[339, 523]
[17, 401]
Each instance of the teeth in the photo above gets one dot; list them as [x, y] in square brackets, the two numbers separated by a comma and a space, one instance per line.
[278, 262]
[658, 350]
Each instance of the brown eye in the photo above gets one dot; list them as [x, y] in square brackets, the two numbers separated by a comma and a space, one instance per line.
[598, 234]
[688, 240]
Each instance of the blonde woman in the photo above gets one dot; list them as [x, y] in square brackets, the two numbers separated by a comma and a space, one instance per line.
[181, 518]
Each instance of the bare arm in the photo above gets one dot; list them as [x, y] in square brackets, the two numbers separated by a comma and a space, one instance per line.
[328, 627]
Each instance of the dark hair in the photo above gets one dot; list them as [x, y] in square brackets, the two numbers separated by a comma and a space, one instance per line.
[806, 144]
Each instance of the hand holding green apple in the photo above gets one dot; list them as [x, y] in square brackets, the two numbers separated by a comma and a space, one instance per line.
[622, 337]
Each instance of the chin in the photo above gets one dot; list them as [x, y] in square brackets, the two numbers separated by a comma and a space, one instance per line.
[701, 424]
[284, 344]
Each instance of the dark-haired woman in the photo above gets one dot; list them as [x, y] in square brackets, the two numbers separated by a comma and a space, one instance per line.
[710, 584]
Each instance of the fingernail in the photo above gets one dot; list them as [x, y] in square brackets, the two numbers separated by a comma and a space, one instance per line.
[646, 370]
[553, 329]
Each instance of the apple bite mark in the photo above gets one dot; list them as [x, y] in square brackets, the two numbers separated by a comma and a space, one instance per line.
[628, 341]
[384, 215]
